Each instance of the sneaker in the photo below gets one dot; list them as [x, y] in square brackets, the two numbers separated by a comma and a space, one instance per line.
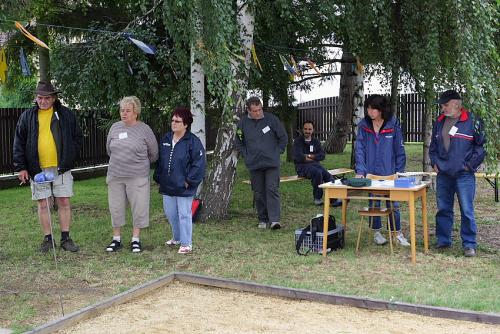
[172, 242]
[69, 245]
[114, 246]
[318, 201]
[185, 250]
[400, 239]
[46, 245]
[469, 252]
[379, 238]
[135, 246]
[262, 225]
[442, 246]
[275, 225]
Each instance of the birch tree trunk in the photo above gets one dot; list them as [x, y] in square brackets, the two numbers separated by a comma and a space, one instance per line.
[359, 110]
[216, 193]
[198, 98]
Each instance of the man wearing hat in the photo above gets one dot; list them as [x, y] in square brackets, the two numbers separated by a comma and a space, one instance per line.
[456, 151]
[48, 139]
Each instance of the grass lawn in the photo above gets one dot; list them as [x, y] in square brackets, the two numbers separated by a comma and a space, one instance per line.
[235, 248]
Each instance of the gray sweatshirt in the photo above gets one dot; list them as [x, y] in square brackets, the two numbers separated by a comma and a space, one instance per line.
[261, 141]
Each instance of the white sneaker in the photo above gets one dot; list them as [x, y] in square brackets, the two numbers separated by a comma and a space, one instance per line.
[400, 239]
[262, 225]
[379, 238]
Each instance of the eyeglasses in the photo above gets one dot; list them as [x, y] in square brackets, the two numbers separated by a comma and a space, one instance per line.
[175, 121]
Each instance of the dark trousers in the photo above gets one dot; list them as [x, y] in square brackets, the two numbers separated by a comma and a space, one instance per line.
[317, 174]
[265, 185]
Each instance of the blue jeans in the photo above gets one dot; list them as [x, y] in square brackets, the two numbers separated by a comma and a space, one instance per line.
[178, 211]
[465, 186]
[395, 226]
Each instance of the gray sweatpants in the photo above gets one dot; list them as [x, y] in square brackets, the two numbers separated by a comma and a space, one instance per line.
[132, 190]
[265, 185]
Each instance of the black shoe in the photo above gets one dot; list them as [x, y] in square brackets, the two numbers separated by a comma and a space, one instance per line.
[46, 245]
[69, 245]
[275, 225]
[335, 203]
[114, 246]
[443, 246]
[135, 247]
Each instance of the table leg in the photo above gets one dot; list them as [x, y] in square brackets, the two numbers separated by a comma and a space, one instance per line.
[344, 214]
[411, 204]
[424, 220]
[326, 213]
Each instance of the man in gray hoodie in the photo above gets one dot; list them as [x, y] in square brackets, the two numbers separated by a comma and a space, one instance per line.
[261, 138]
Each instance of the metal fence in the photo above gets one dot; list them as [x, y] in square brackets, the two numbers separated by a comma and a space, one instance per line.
[323, 112]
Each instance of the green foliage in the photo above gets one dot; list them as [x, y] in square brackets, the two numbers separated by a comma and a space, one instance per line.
[19, 96]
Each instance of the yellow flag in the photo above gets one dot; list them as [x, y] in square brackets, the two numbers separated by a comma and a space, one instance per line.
[30, 36]
[255, 59]
[3, 66]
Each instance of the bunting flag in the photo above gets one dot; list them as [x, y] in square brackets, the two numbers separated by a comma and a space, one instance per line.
[25, 69]
[3, 66]
[26, 33]
[288, 67]
[146, 48]
[255, 59]
[312, 65]
[295, 67]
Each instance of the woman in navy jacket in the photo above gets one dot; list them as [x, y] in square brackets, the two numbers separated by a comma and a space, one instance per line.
[380, 150]
[180, 169]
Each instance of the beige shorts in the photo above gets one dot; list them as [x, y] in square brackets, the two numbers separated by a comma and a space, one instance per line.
[62, 186]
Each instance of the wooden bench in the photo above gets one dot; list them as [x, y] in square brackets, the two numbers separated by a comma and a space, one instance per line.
[334, 172]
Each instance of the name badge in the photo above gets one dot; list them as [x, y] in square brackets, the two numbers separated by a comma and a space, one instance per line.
[266, 129]
[122, 135]
[311, 148]
[453, 130]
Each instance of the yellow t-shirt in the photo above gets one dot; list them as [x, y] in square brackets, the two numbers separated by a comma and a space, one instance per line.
[47, 152]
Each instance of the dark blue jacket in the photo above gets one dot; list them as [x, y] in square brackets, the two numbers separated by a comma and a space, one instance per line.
[301, 148]
[382, 153]
[186, 162]
[466, 151]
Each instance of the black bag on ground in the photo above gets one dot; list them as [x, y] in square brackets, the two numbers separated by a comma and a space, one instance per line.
[335, 240]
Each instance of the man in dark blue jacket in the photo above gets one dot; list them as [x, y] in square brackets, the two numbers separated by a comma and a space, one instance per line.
[307, 153]
[456, 151]
[261, 138]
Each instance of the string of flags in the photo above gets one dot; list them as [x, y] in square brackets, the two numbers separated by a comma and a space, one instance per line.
[289, 65]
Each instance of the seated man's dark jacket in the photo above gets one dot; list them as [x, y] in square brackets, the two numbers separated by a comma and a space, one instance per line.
[67, 136]
[301, 148]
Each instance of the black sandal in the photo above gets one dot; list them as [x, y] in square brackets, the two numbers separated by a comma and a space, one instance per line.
[114, 246]
[136, 247]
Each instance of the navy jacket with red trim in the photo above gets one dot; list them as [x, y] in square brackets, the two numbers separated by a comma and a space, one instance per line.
[382, 153]
[466, 151]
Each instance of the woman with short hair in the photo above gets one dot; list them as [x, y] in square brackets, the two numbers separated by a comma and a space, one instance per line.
[132, 147]
[180, 169]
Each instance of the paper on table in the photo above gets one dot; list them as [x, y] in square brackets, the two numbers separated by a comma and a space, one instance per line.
[382, 183]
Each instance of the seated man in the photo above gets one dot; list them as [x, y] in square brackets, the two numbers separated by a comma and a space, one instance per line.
[307, 153]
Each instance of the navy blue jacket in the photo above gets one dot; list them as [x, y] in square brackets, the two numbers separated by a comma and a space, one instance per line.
[261, 141]
[301, 148]
[466, 151]
[185, 163]
[382, 153]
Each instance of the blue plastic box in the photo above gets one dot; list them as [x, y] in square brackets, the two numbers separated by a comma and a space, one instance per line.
[404, 182]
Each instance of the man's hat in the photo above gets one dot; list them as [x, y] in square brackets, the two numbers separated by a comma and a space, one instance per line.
[449, 95]
[45, 88]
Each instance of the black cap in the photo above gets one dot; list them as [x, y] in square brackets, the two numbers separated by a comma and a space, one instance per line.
[449, 95]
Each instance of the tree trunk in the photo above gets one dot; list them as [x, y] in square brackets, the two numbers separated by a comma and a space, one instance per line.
[219, 183]
[427, 127]
[339, 134]
[198, 98]
[395, 90]
[359, 111]
[43, 55]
